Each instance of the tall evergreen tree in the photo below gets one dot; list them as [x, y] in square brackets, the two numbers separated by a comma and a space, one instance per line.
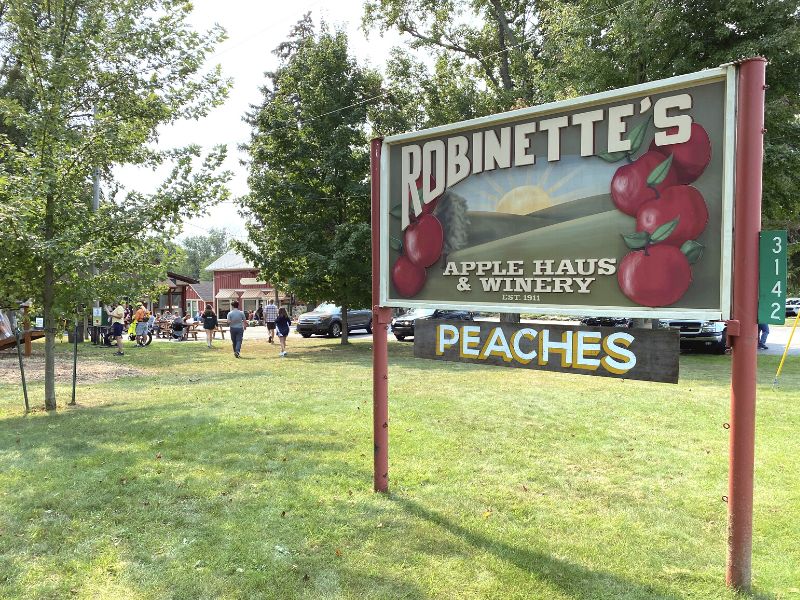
[309, 206]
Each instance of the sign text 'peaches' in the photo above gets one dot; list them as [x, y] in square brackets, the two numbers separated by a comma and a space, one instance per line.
[650, 355]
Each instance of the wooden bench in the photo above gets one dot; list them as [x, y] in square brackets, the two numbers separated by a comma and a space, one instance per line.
[164, 329]
[221, 331]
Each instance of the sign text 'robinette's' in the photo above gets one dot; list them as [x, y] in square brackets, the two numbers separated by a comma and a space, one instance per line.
[616, 202]
[649, 355]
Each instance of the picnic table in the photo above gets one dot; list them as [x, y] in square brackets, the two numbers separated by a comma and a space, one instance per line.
[165, 329]
[191, 331]
[222, 327]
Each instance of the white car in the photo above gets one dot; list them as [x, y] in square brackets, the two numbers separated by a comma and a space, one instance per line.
[792, 307]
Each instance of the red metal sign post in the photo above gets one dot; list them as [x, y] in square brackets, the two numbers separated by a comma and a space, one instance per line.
[742, 330]
[381, 318]
[747, 224]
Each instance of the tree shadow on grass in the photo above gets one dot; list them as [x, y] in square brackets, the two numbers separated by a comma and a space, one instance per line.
[130, 481]
[572, 579]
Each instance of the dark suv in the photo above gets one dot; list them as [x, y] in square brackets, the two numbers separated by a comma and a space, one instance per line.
[699, 334]
[606, 322]
[403, 326]
[326, 319]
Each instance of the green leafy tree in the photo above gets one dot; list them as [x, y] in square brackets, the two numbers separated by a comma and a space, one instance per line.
[199, 251]
[85, 85]
[309, 206]
[525, 52]
[528, 52]
[498, 41]
[647, 40]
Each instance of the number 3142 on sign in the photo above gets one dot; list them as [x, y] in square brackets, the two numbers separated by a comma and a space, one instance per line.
[772, 277]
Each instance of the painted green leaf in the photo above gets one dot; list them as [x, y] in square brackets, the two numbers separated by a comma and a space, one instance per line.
[659, 174]
[396, 212]
[612, 157]
[637, 240]
[663, 232]
[693, 250]
[396, 244]
[637, 135]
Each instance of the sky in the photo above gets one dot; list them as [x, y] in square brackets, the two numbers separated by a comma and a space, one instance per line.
[254, 28]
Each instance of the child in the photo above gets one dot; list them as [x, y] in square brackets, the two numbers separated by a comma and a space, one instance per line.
[282, 323]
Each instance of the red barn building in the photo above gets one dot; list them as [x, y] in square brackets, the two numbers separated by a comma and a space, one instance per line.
[174, 299]
[236, 279]
[198, 295]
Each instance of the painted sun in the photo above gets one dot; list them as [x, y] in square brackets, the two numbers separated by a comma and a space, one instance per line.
[536, 190]
[524, 200]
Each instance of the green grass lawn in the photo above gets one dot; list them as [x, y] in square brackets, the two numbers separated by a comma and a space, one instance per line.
[210, 477]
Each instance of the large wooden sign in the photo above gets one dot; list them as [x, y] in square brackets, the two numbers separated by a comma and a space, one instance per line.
[649, 355]
[614, 204]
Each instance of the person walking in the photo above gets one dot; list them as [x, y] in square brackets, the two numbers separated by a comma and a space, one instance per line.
[117, 314]
[209, 323]
[237, 323]
[763, 333]
[282, 322]
[270, 315]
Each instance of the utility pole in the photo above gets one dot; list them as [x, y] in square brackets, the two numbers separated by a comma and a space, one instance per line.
[95, 209]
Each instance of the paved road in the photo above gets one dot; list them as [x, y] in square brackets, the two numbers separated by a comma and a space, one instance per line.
[778, 337]
[776, 342]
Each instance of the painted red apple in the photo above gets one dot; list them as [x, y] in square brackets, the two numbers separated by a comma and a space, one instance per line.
[656, 276]
[681, 202]
[423, 240]
[408, 278]
[629, 189]
[690, 158]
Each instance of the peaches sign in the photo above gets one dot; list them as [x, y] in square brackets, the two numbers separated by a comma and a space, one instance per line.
[613, 204]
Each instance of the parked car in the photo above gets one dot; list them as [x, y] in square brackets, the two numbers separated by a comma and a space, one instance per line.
[606, 322]
[326, 319]
[403, 326]
[792, 307]
[700, 335]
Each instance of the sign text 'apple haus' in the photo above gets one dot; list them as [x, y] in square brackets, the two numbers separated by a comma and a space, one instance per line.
[617, 203]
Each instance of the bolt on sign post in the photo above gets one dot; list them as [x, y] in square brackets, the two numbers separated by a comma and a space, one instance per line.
[772, 263]
[618, 204]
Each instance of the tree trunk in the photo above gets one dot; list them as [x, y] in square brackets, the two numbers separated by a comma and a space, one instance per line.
[344, 324]
[49, 338]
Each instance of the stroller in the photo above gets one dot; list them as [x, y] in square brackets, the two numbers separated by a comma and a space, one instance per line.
[178, 328]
